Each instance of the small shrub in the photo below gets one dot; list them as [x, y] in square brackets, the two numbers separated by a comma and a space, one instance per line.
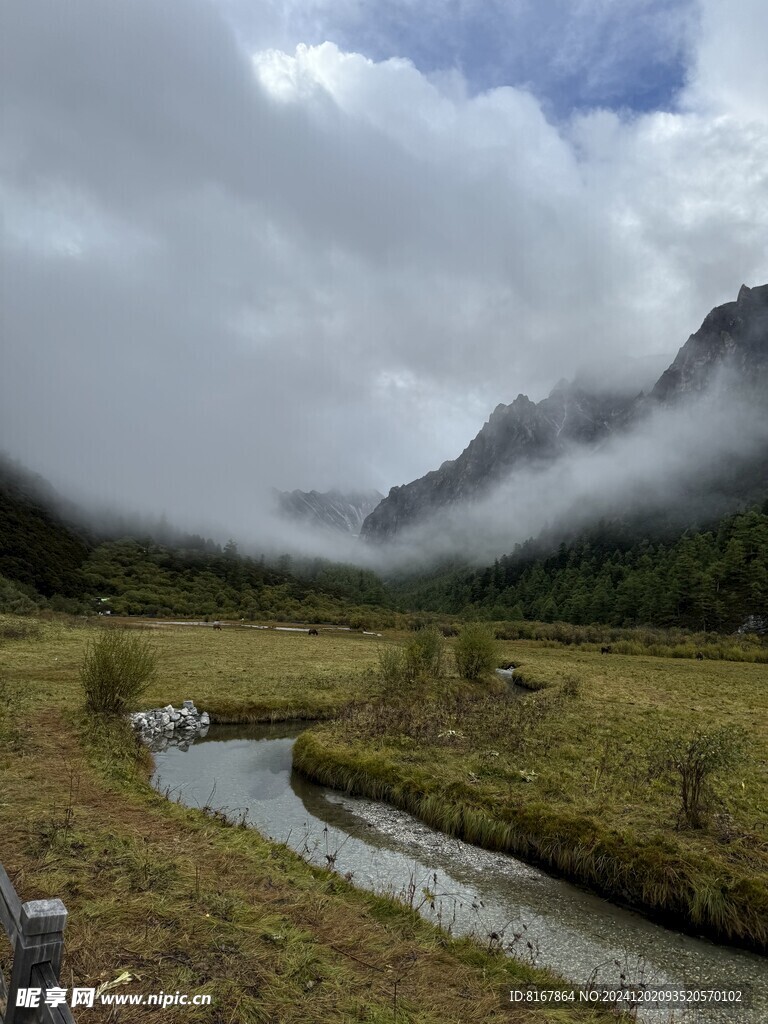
[475, 651]
[14, 600]
[415, 624]
[424, 654]
[694, 760]
[419, 659]
[392, 668]
[118, 667]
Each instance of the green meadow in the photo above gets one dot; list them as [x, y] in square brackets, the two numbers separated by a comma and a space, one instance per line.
[574, 775]
[181, 900]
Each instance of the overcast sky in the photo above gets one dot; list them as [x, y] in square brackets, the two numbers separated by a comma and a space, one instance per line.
[249, 244]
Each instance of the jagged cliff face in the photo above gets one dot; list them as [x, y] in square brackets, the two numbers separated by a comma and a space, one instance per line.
[523, 433]
[733, 340]
[344, 513]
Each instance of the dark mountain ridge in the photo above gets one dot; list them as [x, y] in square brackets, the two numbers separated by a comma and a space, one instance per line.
[731, 346]
[733, 337]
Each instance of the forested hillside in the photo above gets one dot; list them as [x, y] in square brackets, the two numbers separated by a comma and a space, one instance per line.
[48, 561]
[37, 549]
[708, 579]
[132, 577]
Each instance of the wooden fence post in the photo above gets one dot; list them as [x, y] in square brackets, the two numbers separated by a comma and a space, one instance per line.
[39, 940]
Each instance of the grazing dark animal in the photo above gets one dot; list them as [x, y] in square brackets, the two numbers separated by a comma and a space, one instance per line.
[605, 650]
[699, 656]
[217, 625]
[312, 632]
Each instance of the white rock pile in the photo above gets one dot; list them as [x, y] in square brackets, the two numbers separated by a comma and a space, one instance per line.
[169, 726]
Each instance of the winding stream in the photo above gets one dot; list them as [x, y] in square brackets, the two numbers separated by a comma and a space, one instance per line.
[247, 770]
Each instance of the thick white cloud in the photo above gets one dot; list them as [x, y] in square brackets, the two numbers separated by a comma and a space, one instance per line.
[224, 271]
[730, 72]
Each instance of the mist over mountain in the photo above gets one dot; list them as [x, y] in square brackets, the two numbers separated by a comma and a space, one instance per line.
[691, 448]
[42, 541]
[342, 512]
[590, 469]
[697, 441]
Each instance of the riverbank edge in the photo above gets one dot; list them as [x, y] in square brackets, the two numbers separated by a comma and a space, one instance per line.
[468, 949]
[127, 766]
[693, 898]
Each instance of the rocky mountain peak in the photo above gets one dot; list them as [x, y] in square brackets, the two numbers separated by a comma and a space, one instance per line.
[522, 433]
[343, 512]
[733, 337]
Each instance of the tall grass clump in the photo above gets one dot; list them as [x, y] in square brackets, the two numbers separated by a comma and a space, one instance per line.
[420, 659]
[475, 651]
[392, 669]
[119, 665]
[20, 629]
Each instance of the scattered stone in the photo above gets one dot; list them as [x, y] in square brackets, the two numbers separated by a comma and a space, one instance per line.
[160, 728]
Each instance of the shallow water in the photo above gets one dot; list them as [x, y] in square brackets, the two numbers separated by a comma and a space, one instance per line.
[247, 771]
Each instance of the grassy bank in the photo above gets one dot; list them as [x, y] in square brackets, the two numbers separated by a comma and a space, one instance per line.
[564, 777]
[642, 640]
[238, 675]
[183, 901]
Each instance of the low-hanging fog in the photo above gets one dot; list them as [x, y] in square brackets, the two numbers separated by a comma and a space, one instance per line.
[243, 247]
[672, 461]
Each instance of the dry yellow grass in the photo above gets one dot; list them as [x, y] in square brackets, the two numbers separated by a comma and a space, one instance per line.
[185, 902]
[568, 779]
